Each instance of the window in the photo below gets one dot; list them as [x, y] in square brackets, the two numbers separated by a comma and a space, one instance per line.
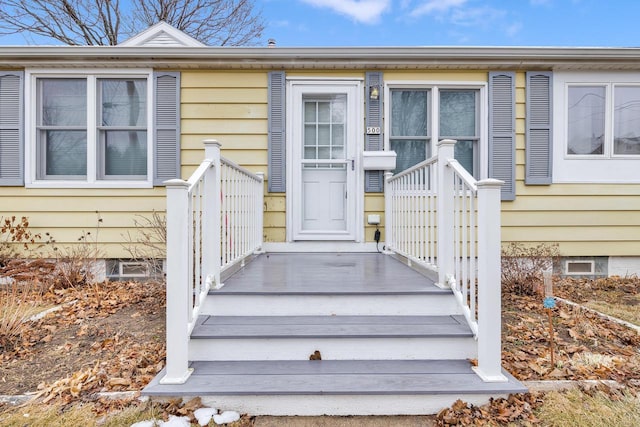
[589, 132]
[91, 129]
[596, 127]
[417, 122]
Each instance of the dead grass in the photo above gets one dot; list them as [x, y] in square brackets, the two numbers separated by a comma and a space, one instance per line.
[17, 303]
[582, 409]
[79, 414]
[621, 311]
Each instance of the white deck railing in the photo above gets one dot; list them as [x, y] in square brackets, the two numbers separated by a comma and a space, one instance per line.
[410, 199]
[439, 216]
[214, 220]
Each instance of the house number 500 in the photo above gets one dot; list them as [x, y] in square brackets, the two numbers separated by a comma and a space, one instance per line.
[371, 130]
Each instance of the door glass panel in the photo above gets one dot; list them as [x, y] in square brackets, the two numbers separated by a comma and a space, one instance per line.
[324, 170]
[324, 127]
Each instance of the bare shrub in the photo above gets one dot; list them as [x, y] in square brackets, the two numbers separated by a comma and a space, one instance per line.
[14, 235]
[522, 266]
[150, 243]
[76, 265]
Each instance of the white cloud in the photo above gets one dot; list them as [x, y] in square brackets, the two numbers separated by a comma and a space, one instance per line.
[365, 11]
[477, 17]
[436, 6]
[513, 29]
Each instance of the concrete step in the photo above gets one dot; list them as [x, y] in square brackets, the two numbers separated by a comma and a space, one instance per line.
[335, 337]
[351, 387]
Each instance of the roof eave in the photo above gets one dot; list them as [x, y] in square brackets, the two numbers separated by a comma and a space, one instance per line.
[342, 57]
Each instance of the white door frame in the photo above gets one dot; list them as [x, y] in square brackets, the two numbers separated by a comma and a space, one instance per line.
[352, 88]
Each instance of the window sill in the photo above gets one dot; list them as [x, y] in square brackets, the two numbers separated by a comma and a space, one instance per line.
[82, 184]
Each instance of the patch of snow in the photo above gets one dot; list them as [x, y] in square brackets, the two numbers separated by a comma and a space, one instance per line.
[147, 423]
[203, 415]
[176, 422]
[226, 417]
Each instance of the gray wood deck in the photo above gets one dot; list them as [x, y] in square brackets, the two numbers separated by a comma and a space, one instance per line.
[327, 377]
[238, 327]
[328, 273]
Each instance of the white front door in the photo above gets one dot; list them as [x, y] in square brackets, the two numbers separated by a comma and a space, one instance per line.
[323, 146]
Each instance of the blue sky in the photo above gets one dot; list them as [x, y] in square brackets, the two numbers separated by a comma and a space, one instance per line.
[453, 22]
[444, 23]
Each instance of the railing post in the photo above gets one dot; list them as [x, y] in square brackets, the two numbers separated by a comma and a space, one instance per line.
[260, 213]
[177, 363]
[444, 214]
[489, 289]
[388, 213]
[213, 202]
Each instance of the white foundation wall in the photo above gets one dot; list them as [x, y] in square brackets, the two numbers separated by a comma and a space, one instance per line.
[624, 266]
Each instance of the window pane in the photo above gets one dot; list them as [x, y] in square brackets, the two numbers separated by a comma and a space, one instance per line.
[409, 110]
[457, 113]
[65, 152]
[323, 112]
[310, 112]
[409, 152]
[124, 102]
[64, 102]
[586, 120]
[463, 153]
[626, 116]
[125, 152]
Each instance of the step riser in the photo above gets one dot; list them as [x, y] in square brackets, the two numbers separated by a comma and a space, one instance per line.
[333, 348]
[329, 305]
[316, 405]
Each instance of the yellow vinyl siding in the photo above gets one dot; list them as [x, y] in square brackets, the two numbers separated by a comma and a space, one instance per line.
[585, 219]
[68, 213]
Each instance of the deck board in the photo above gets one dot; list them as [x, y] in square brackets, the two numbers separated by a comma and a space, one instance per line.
[334, 378]
[238, 327]
[328, 273]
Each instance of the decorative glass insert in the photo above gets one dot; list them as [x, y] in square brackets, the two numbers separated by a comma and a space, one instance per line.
[586, 120]
[324, 131]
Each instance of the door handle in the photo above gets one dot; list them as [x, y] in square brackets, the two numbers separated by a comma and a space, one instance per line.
[353, 164]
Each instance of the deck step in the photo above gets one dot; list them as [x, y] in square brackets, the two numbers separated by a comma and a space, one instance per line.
[330, 327]
[330, 386]
[328, 284]
[326, 303]
[335, 337]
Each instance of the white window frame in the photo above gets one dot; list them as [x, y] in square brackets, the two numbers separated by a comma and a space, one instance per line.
[435, 87]
[590, 168]
[92, 76]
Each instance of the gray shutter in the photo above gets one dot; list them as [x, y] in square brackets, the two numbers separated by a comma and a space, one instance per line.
[277, 133]
[167, 127]
[538, 169]
[11, 128]
[373, 180]
[502, 135]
